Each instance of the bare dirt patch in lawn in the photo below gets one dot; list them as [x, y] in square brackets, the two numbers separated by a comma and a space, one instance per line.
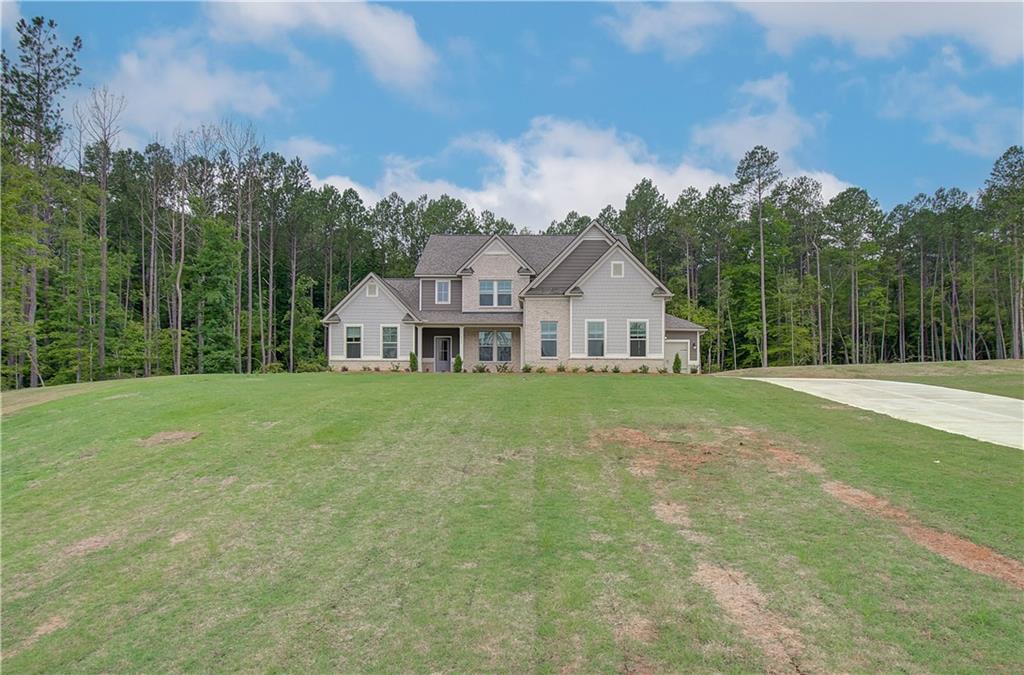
[760, 443]
[228, 481]
[51, 625]
[97, 543]
[672, 513]
[180, 538]
[168, 438]
[655, 452]
[744, 603]
[636, 628]
[115, 397]
[953, 548]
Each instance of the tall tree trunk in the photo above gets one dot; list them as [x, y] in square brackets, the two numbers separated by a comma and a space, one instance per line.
[764, 307]
[291, 307]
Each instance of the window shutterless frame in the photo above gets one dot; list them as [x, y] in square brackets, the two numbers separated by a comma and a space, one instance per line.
[595, 337]
[389, 341]
[549, 339]
[637, 336]
[618, 269]
[442, 292]
[353, 341]
[486, 345]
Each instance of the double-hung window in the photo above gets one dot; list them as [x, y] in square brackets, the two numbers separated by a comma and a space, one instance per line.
[495, 292]
[548, 339]
[353, 342]
[389, 342]
[442, 292]
[496, 343]
[595, 338]
[486, 345]
[504, 345]
[638, 338]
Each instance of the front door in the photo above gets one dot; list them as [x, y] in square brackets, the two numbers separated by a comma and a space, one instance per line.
[443, 354]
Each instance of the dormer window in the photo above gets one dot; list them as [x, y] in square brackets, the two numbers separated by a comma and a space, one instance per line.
[372, 290]
[618, 269]
[442, 292]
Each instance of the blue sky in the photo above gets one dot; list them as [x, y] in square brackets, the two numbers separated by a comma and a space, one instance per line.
[531, 109]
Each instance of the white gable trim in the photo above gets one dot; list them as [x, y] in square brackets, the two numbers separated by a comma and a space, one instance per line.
[483, 250]
[592, 231]
[632, 259]
[381, 286]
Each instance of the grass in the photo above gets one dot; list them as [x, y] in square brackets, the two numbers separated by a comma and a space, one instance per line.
[1002, 378]
[491, 522]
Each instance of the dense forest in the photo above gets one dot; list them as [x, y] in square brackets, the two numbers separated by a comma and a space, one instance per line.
[204, 253]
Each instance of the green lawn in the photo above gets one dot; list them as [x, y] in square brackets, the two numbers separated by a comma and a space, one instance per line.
[1002, 378]
[461, 523]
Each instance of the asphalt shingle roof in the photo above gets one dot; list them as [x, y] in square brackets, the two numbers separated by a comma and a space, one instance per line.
[445, 254]
[675, 323]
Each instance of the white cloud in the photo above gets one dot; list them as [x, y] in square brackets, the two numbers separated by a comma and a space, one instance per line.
[306, 148]
[554, 167]
[876, 29]
[170, 83]
[385, 39]
[10, 14]
[766, 117]
[973, 124]
[678, 30]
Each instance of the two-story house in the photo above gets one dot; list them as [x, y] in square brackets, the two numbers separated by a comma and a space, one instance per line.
[514, 299]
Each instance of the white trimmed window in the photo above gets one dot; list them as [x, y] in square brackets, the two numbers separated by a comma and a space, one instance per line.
[504, 345]
[486, 345]
[501, 339]
[638, 338]
[353, 342]
[618, 269]
[548, 339]
[372, 290]
[389, 342]
[442, 292]
[495, 292]
[595, 338]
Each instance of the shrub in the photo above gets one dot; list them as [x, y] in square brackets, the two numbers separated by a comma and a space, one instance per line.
[394, 367]
[457, 364]
[503, 368]
[527, 367]
[542, 369]
[412, 361]
[376, 369]
[560, 367]
[575, 369]
[589, 368]
[604, 369]
[616, 369]
[344, 369]
[479, 368]
[677, 364]
[662, 371]
[644, 369]
[272, 367]
[311, 367]
[367, 369]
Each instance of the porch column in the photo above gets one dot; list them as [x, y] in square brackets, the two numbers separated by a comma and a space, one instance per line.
[698, 353]
[462, 341]
[419, 349]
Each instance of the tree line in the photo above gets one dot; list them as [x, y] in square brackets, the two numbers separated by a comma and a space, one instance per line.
[207, 253]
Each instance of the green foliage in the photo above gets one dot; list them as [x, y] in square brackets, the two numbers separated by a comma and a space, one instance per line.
[413, 363]
[677, 364]
[526, 368]
[615, 368]
[503, 368]
[479, 368]
[542, 369]
[589, 368]
[273, 367]
[457, 363]
[644, 369]
[560, 367]
[210, 289]
[312, 366]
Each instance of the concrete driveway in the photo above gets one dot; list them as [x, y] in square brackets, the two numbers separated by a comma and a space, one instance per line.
[995, 419]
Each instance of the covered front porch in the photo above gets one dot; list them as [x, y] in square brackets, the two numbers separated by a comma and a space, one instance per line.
[437, 346]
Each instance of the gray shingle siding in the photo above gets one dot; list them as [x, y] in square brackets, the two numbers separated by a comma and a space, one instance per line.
[617, 301]
[371, 313]
[572, 268]
[455, 295]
